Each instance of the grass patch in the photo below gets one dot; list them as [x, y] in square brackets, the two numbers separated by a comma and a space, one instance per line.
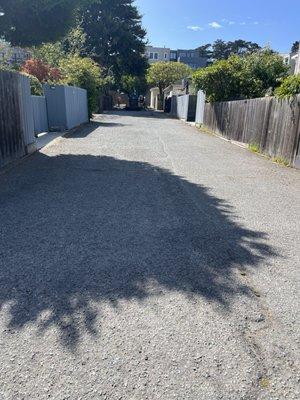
[254, 147]
[281, 161]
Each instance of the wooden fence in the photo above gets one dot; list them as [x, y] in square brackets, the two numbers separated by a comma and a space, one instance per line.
[271, 124]
[12, 143]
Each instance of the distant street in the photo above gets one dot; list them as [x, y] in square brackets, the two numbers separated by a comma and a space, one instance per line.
[142, 259]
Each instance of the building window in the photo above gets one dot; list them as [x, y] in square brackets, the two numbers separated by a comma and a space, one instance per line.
[155, 56]
[151, 56]
[166, 56]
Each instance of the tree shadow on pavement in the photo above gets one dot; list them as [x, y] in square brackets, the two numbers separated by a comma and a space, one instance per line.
[85, 130]
[80, 230]
[142, 113]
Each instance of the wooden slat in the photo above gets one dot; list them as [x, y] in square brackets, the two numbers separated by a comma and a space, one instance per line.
[270, 123]
[11, 137]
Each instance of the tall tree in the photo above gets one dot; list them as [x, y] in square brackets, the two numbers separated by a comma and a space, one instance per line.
[241, 47]
[222, 50]
[295, 47]
[205, 50]
[115, 36]
[32, 22]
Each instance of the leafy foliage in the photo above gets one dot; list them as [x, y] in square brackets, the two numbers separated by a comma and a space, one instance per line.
[6, 51]
[205, 50]
[162, 74]
[133, 84]
[84, 73]
[222, 50]
[42, 71]
[218, 81]
[49, 53]
[75, 41]
[35, 85]
[295, 46]
[32, 22]
[290, 86]
[249, 76]
[115, 37]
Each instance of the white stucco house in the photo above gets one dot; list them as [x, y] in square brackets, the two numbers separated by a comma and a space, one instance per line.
[293, 61]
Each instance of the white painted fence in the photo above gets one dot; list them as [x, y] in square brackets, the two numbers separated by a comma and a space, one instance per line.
[40, 114]
[67, 106]
[200, 107]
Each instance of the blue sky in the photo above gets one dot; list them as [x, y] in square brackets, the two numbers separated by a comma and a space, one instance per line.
[190, 23]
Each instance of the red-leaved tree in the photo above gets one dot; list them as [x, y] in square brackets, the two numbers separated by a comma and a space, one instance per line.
[42, 71]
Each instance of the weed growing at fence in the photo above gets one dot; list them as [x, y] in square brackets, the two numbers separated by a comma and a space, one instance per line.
[254, 147]
[281, 161]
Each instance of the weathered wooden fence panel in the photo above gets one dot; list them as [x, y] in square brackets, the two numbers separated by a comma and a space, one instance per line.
[11, 137]
[271, 124]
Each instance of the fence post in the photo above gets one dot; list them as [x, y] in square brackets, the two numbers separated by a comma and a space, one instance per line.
[26, 113]
[200, 107]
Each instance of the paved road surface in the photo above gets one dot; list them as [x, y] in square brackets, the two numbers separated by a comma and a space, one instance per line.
[141, 259]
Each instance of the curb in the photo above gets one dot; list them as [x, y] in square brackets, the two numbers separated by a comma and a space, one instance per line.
[33, 150]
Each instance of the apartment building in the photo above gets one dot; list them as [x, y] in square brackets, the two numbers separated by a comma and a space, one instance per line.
[192, 58]
[155, 54]
[189, 57]
[293, 61]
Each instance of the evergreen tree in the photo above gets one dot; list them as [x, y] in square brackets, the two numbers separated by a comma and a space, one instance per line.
[32, 22]
[115, 37]
[295, 47]
[222, 50]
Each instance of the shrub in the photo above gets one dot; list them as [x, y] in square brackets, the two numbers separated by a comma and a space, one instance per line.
[246, 77]
[42, 71]
[219, 81]
[35, 85]
[49, 53]
[84, 73]
[290, 86]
